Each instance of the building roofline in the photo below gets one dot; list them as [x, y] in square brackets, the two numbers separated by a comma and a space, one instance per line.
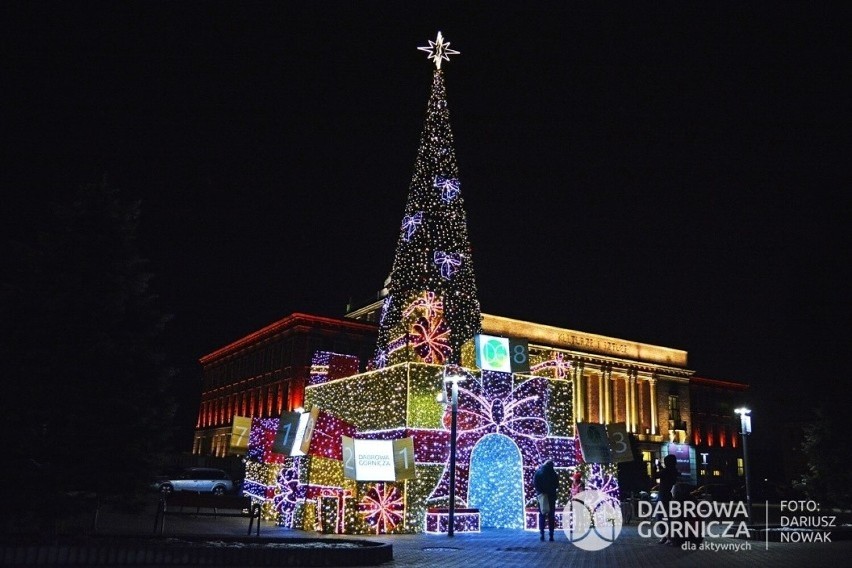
[583, 341]
[718, 383]
[287, 322]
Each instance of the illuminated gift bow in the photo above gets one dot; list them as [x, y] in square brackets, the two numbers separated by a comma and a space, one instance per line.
[558, 365]
[430, 303]
[431, 339]
[448, 262]
[383, 507]
[495, 405]
[449, 187]
[410, 224]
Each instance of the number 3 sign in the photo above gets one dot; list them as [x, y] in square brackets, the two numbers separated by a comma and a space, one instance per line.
[619, 443]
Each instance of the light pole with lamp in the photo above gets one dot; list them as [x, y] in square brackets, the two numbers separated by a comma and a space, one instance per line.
[745, 431]
[452, 374]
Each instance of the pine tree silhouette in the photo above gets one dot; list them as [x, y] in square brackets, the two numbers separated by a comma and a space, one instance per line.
[431, 308]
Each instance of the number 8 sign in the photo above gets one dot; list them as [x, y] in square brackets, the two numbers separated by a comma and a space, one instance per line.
[506, 355]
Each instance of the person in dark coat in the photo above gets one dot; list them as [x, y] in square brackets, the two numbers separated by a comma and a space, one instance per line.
[667, 476]
[546, 483]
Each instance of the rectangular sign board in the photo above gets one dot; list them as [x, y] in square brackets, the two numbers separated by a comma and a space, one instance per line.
[308, 432]
[240, 430]
[594, 442]
[285, 436]
[378, 460]
[403, 458]
[502, 354]
[619, 443]
[348, 457]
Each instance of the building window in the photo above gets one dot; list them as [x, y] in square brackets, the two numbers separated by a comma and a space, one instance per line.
[740, 467]
[674, 409]
[647, 458]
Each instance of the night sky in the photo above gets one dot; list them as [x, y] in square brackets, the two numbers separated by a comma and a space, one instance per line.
[670, 174]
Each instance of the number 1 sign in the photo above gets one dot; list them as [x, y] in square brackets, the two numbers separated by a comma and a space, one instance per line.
[378, 460]
[288, 426]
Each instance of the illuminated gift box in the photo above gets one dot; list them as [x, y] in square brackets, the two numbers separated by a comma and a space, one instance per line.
[465, 520]
[531, 519]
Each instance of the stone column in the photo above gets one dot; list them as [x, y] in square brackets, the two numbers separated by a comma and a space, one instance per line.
[606, 373]
[634, 413]
[652, 388]
[579, 386]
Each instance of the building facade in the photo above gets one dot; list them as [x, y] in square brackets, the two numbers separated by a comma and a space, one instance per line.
[264, 373]
[715, 434]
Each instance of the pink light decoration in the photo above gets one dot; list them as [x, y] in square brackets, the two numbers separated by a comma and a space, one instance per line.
[431, 339]
[382, 507]
[428, 305]
[558, 367]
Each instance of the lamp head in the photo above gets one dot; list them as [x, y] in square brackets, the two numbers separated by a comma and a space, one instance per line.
[454, 374]
[742, 411]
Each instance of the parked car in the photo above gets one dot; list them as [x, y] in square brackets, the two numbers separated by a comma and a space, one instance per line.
[715, 492]
[196, 479]
[651, 495]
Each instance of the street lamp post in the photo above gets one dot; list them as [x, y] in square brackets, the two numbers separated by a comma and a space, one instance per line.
[745, 430]
[453, 374]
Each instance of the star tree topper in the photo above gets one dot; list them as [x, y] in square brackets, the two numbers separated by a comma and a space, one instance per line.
[438, 50]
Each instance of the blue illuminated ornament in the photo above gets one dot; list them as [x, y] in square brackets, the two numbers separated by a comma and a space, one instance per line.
[448, 262]
[449, 187]
[381, 359]
[385, 306]
[410, 224]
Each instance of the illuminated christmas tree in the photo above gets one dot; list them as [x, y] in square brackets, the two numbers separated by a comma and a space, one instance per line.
[431, 308]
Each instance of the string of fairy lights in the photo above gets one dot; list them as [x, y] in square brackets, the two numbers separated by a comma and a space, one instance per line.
[433, 251]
